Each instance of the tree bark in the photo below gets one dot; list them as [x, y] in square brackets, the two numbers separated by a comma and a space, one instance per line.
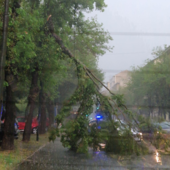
[42, 124]
[8, 138]
[3, 52]
[34, 90]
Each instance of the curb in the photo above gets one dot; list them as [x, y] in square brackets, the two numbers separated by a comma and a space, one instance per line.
[31, 154]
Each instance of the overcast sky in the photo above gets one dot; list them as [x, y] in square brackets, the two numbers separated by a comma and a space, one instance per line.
[146, 16]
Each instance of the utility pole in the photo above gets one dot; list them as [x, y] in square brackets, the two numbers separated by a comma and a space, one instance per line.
[3, 54]
[39, 111]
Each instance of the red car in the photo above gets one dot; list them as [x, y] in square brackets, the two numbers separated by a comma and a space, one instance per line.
[34, 125]
[21, 123]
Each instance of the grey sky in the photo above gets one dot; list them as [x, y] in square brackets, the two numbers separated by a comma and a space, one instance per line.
[148, 16]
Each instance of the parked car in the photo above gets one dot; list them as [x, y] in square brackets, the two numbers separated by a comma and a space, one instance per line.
[121, 126]
[137, 134]
[165, 126]
[21, 123]
[148, 129]
[100, 124]
[156, 128]
[34, 125]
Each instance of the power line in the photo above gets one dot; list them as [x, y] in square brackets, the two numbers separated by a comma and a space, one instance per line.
[139, 33]
[126, 33]
[130, 53]
[109, 70]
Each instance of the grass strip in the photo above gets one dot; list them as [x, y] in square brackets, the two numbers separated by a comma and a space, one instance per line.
[22, 150]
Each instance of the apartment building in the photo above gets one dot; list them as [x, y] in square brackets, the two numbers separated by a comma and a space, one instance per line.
[119, 80]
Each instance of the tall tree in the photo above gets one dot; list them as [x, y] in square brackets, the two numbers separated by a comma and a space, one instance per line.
[150, 84]
[8, 138]
[64, 25]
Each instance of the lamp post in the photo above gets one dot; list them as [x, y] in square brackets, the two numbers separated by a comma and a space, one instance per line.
[39, 111]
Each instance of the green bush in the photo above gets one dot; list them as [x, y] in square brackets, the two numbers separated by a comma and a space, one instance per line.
[124, 144]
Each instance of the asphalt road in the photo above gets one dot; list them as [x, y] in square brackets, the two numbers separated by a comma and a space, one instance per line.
[55, 157]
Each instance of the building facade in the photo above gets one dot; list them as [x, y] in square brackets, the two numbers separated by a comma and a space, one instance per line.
[119, 80]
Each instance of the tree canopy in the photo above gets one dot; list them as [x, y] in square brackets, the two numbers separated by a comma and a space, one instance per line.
[149, 85]
[50, 44]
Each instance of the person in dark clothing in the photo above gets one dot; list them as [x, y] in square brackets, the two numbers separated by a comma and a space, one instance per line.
[3, 115]
[2, 126]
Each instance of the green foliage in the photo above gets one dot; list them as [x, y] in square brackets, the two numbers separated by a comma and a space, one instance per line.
[53, 133]
[119, 98]
[76, 131]
[5, 83]
[31, 48]
[21, 105]
[154, 132]
[149, 85]
[98, 136]
[149, 89]
[77, 135]
[124, 143]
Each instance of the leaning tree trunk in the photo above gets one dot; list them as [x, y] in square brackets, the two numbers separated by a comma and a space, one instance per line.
[50, 108]
[8, 138]
[42, 124]
[34, 90]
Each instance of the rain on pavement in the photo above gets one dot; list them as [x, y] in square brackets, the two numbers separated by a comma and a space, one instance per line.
[55, 157]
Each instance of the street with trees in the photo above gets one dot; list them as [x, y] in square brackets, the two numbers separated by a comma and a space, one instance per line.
[52, 46]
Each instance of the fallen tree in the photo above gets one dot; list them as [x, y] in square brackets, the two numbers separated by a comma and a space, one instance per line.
[75, 134]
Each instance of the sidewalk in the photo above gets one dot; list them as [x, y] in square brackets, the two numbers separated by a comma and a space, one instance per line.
[10, 159]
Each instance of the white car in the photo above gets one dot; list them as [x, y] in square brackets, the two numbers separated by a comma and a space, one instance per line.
[138, 136]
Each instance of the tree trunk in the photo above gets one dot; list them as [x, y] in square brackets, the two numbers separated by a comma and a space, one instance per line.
[42, 124]
[50, 108]
[34, 90]
[8, 138]
[159, 111]
[3, 51]
[164, 114]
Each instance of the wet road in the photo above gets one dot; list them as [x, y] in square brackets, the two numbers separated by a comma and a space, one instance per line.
[55, 157]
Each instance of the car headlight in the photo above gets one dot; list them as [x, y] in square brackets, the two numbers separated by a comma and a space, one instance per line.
[102, 144]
